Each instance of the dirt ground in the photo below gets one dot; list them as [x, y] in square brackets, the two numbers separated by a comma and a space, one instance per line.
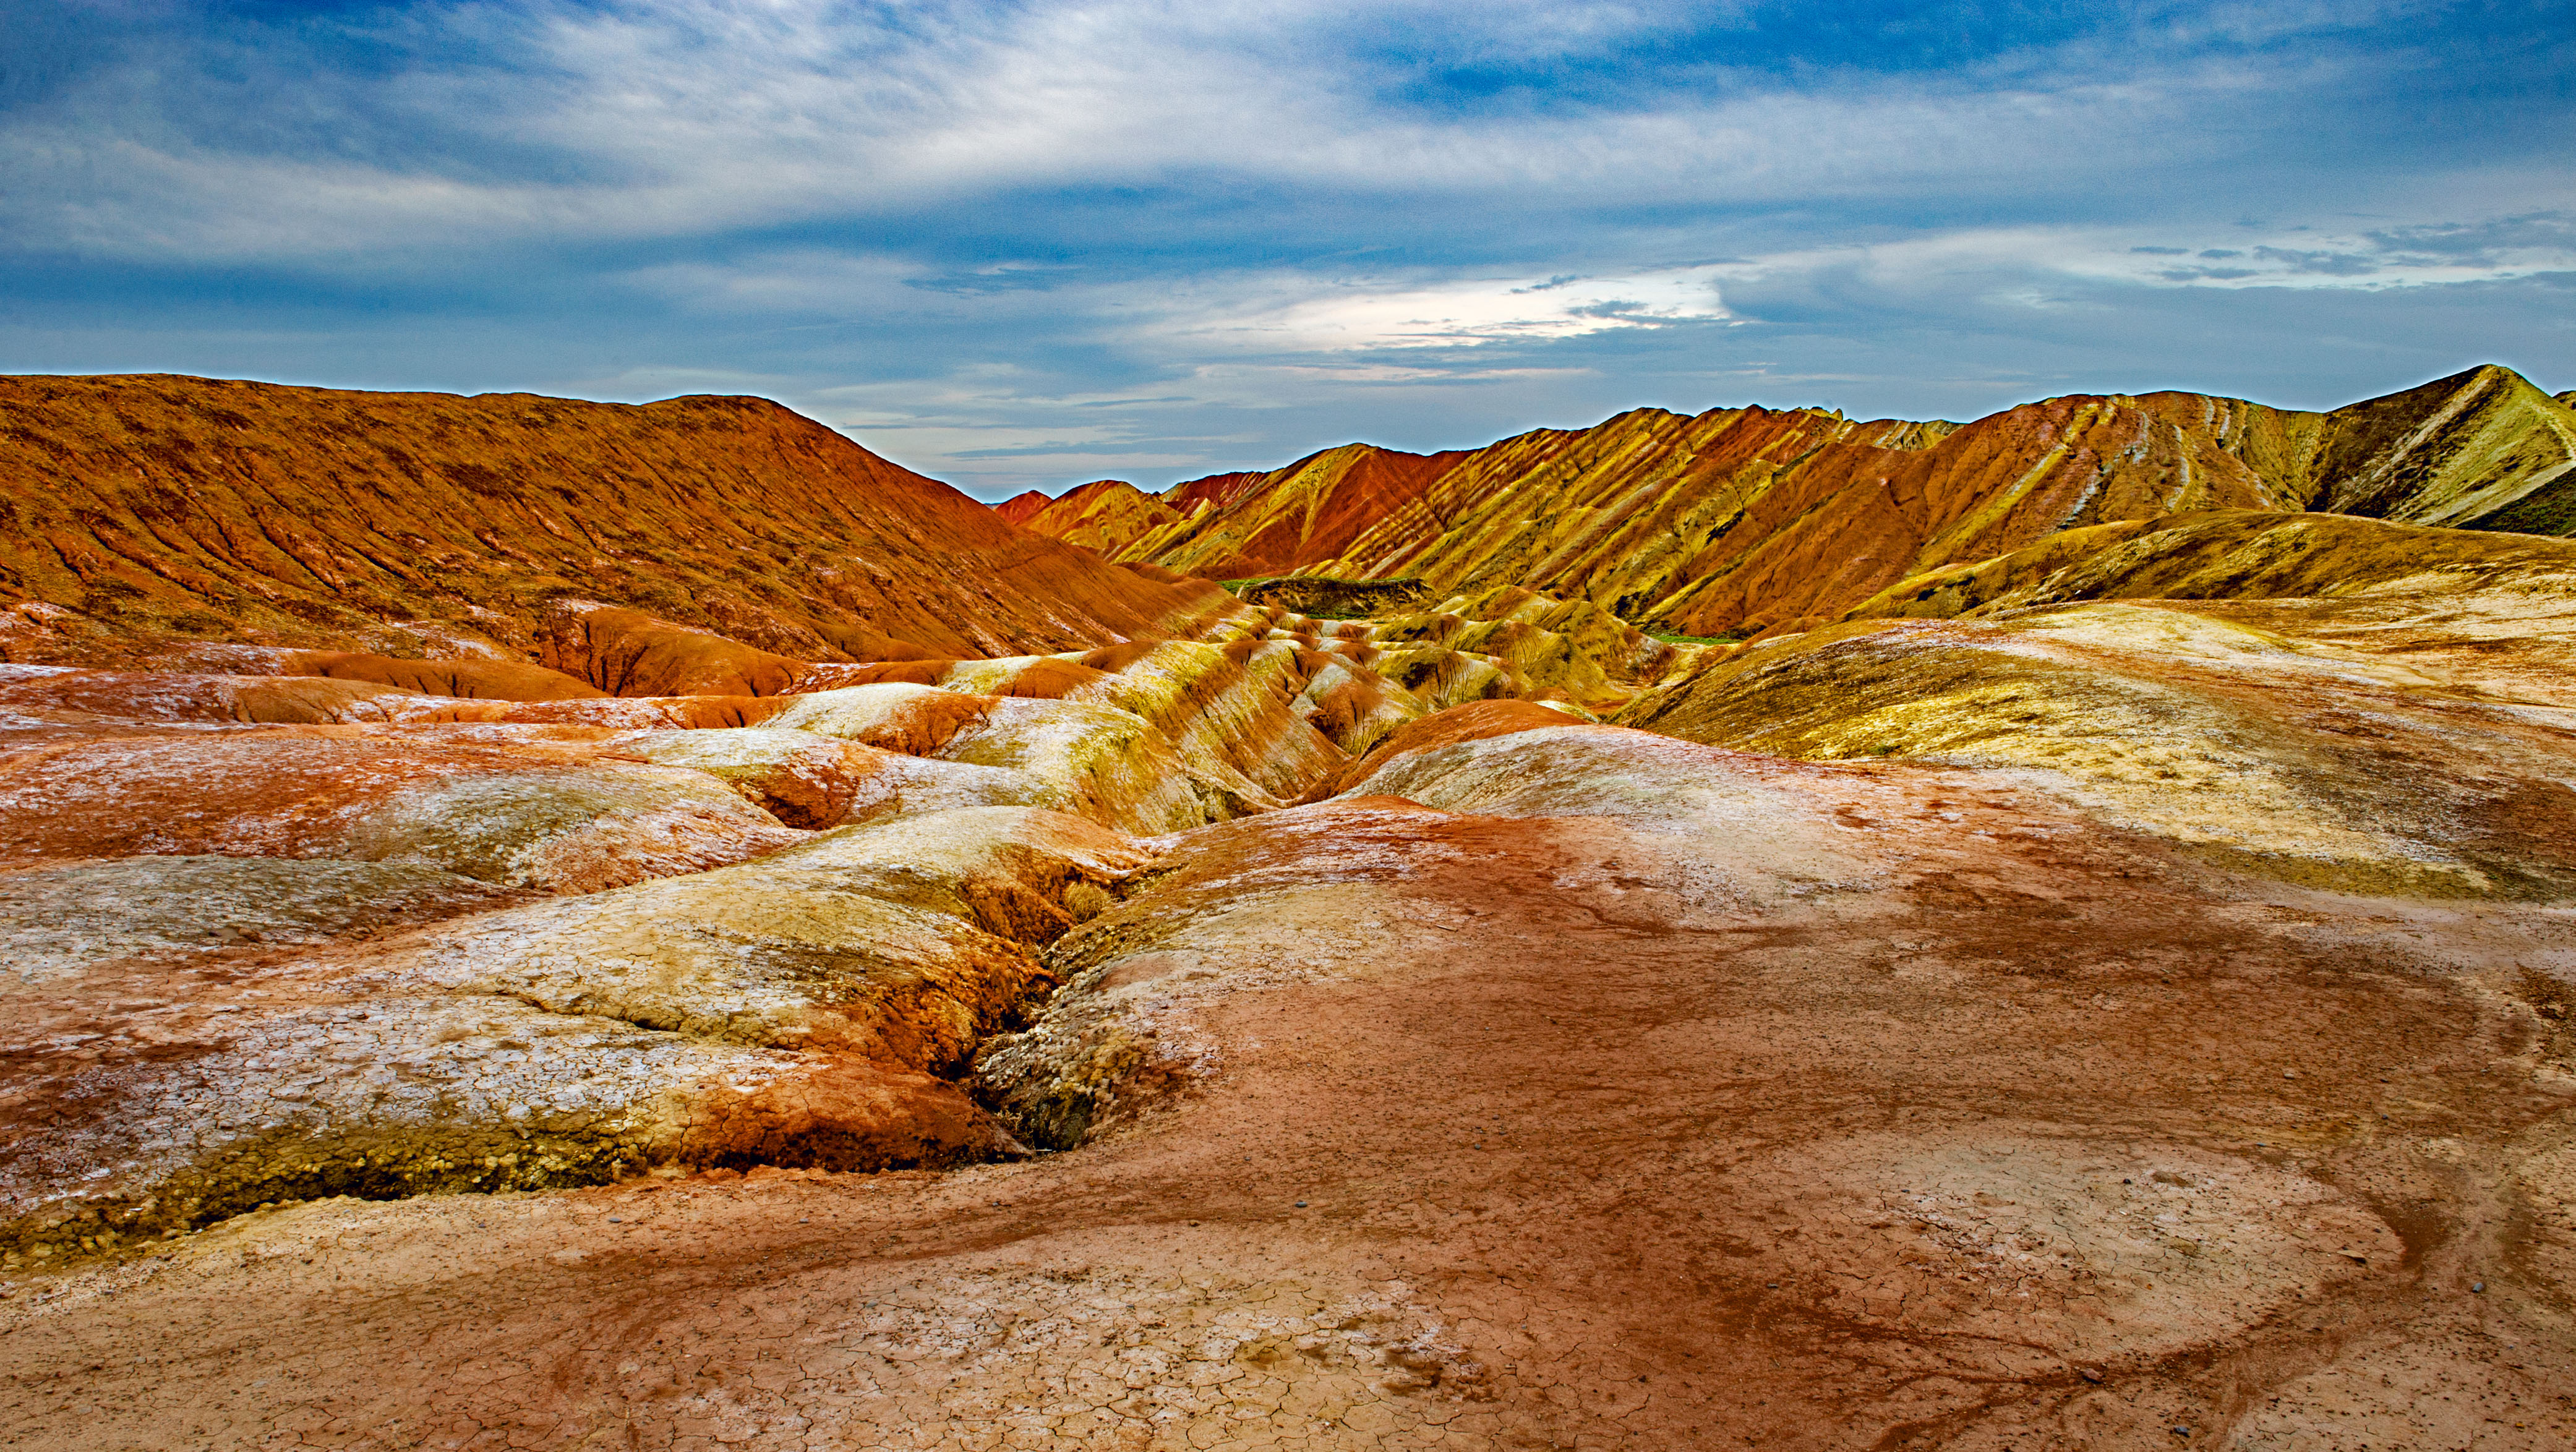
[2052, 1139]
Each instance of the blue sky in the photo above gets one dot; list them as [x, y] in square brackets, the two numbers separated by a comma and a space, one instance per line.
[1026, 245]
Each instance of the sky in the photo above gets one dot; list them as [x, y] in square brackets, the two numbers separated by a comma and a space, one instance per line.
[1024, 246]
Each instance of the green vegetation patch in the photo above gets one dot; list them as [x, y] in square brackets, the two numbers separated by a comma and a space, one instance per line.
[1327, 598]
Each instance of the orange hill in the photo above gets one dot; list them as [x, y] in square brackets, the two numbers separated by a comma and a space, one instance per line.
[1097, 516]
[147, 512]
[1740, 521]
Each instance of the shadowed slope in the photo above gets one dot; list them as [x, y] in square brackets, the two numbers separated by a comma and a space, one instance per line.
[157, 507]
[2481, 449]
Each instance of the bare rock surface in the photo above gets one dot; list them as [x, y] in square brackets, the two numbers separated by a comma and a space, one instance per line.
[58, 921]
[155, 513]
[557, 815]
[1480, 1143]
[2406, 732]
[905, 941]
[833, 970]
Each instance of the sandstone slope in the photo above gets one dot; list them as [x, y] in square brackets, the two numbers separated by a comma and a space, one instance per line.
[1744, 521]
[1233, 526]
[1100, 516]
[767, 923]
[2337, 701]
[1604, 1089]
[151, 509]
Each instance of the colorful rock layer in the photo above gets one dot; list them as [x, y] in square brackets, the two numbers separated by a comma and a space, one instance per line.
[693, 938]
[1745, 521]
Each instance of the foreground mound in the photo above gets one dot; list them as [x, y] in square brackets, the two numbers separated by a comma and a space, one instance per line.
[388, 927]
[1556, 1084]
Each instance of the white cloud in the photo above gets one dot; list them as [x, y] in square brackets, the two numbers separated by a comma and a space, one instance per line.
[582, 123]
[2415, 253]
[1330, 316]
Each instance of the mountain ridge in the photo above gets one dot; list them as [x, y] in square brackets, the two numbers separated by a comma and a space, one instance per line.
[1744, 521]
[159, 509]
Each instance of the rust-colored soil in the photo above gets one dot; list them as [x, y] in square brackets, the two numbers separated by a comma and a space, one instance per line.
[2049, 1142]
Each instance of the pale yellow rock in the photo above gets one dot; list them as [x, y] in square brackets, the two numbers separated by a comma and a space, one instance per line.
[901, 941]
[567, 829]
[809, 780]
[1095, 760]
[1231, 720]
[2271, 751]
[1110, 765]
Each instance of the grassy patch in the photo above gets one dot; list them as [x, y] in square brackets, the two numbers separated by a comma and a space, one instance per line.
[1239, 585]
[1328, 597]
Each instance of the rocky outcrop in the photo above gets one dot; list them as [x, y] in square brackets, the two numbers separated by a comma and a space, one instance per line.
[903, 941]
[469, 679]
[629, 653]
[564, 816]
[794, 1011]
[806, 779]
[36, 696]
[1475, 721]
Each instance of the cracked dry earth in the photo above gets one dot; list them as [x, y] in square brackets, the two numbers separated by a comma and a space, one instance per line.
[1874, 1106]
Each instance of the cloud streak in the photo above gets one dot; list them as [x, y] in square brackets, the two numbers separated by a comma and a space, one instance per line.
[1151, 237]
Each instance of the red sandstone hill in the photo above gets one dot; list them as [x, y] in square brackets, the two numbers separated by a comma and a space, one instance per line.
[1233, 526]
[142, 512]
[1745, 520]
[1023, 506]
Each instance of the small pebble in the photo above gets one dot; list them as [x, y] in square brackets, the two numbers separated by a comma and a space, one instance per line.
[2478, 1287]
[1301, 1204]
